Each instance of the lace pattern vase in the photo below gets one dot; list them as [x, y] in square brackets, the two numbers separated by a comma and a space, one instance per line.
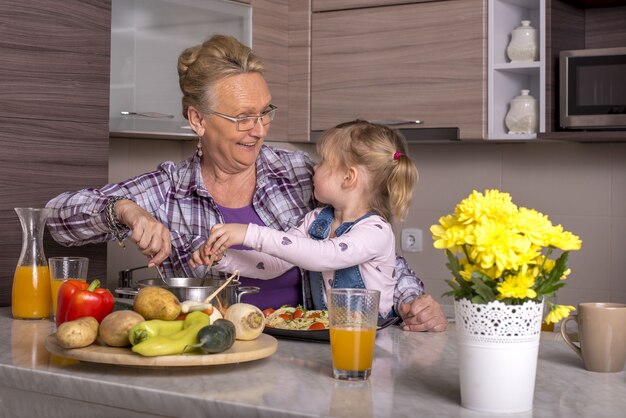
[522, 115]
[498, 348]
[524, 43]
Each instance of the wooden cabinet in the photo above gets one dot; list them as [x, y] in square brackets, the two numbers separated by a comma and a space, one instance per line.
[54, 78]
[423, 60]
[270, 39]
[579, 24]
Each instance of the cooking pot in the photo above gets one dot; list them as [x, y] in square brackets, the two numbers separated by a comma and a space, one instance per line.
[196, 289]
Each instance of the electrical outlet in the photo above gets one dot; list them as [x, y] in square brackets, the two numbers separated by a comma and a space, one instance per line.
[411, 240]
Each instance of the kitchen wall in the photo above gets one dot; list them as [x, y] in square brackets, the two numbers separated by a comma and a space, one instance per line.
[581, 186]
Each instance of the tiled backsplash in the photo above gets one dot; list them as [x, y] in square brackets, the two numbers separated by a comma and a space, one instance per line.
[581, 186]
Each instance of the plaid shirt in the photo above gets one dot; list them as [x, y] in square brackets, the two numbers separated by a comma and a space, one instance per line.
[176, 196]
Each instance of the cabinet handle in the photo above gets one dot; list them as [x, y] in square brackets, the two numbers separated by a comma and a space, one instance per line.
[394, 122]
[147, 114]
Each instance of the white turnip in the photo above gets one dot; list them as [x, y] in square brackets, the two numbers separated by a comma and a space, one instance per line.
[248, 320]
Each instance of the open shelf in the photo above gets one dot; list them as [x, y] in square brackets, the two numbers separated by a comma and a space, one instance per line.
[506, 79]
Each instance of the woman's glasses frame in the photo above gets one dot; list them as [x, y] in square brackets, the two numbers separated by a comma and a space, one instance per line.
[247, 123]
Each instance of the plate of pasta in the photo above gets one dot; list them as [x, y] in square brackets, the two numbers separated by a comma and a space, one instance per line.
[297, 323]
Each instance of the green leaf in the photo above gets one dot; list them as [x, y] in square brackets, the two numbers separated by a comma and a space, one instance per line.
[454, 266]
[482, 285]
[553, 281]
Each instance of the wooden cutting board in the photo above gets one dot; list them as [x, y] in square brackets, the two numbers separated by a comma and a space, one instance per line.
[264, 346]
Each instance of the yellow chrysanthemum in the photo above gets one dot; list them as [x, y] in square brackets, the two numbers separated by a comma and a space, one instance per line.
[534, 225]
[517, 286]
[546, 263]
[558, 312]
[480, 208]
[491, 235]
[496, 245]
[564, 240]
[449, 234]
[468, 269]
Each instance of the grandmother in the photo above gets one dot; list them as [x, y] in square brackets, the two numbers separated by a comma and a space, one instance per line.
[232, 177]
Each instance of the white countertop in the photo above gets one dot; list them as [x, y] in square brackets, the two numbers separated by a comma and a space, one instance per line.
[414, 374]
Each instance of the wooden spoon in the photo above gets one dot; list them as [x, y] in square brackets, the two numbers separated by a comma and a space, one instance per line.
[219, 289]
[208, 268]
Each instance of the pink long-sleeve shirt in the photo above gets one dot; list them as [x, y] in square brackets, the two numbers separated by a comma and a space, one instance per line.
[370, 244]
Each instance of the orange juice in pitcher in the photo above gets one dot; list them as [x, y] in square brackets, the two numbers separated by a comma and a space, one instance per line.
[31, 282]
[31, 292]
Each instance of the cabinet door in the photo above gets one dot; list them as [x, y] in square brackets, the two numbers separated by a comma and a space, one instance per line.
[54, 78]
[423, 61]
[270, 42]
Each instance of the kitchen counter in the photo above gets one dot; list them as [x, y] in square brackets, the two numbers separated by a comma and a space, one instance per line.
[414, 374]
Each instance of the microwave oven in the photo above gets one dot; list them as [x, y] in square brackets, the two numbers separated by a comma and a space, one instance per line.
[593, 89]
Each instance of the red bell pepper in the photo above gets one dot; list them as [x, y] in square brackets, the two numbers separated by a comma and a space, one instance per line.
[78, 299]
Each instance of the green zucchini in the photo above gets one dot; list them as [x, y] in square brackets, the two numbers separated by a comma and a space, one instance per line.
[216, 338]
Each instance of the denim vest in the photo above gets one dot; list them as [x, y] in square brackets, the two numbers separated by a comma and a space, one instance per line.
[349, 277]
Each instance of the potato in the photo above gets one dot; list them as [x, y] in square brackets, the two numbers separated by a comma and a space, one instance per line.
[115, 327]
[78, 333]
[154, 302]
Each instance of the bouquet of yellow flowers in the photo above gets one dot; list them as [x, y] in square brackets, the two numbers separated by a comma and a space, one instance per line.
[498, 251]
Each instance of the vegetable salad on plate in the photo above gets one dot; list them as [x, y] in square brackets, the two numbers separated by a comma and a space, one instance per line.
[296, 318]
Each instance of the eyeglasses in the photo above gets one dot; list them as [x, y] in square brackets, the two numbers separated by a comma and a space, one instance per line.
[246, 123]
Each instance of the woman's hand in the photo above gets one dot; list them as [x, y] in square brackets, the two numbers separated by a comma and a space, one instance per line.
[151, 236]
[423, 314]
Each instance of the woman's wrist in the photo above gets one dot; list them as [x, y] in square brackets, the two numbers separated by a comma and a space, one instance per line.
[118, 229]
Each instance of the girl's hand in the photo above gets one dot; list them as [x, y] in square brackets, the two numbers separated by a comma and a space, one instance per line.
[224, 236]
[202, 256]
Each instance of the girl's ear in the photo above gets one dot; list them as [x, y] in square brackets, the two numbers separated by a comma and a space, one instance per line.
[350, 177]
[195, 120]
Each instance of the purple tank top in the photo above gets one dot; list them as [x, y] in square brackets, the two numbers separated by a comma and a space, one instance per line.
[284, 289]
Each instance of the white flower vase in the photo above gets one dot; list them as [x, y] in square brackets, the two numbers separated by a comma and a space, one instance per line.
[498, 348]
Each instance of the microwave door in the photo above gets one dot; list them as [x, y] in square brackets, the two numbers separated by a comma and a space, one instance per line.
[594, 92]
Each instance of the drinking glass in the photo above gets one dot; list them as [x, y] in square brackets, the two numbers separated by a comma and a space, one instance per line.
[353, 317]
[63, 269]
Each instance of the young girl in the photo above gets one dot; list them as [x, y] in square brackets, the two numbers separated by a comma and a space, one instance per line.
[365, 179]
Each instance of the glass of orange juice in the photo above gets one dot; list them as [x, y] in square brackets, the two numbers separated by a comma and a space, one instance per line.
[353, 317]
[63, 269]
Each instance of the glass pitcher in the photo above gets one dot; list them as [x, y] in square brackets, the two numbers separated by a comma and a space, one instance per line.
[31, 283]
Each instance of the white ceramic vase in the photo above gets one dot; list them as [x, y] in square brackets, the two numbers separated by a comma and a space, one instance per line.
[498, 349]
[522, 115]
[524, 45]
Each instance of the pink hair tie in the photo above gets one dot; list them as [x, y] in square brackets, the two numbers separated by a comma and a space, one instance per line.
[397, 155]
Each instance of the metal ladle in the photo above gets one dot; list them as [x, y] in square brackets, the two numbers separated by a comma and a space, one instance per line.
[158, 269]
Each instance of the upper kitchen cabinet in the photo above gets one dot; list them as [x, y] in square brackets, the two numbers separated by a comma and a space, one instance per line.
[148, 36]
[419, 61]
[146, 39]
[572, 25]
